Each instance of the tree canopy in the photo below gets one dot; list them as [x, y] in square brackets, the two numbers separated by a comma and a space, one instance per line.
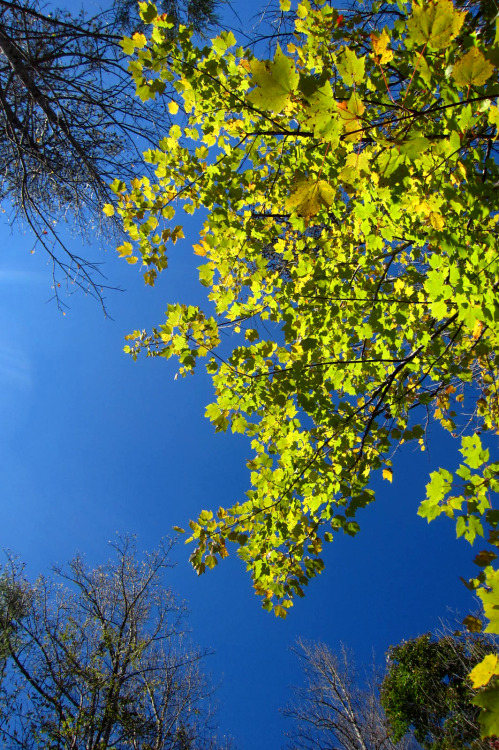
[350, 244]
[426, 690]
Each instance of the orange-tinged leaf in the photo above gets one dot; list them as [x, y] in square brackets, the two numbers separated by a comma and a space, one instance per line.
[477, 330]
[200, 249]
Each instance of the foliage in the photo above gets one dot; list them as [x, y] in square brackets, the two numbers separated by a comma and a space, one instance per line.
[363, 159]
[427, 690]
[68, 119]
[335, 709]
[99, 659]
[350, 245]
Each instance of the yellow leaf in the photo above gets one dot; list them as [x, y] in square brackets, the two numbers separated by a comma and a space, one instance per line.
[309, 196]
[150, 277]
[399, 286]
[484, 671]
[139, 39]
[388, 475]
[437, 221]
[125, 249]
[108, 209]
[173, 107]
[380, 43]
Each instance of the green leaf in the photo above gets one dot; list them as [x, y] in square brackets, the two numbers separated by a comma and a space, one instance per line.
[322, 115]
[488, 701]
[414, 147]
[471, 448]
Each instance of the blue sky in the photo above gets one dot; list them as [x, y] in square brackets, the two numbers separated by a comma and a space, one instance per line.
[92, 443]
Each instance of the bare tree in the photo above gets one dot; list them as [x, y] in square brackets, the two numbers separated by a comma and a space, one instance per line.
[335, 711]
[70, 121]
[99, 659]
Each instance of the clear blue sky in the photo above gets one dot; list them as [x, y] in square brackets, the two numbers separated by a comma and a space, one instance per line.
[92, 443]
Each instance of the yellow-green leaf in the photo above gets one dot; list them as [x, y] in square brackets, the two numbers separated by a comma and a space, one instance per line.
[127, 46]
[490, 601]
[108, 209]
[309, 196]
[351, 68]
[472, 69]
[435, 23]
[275, 81]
